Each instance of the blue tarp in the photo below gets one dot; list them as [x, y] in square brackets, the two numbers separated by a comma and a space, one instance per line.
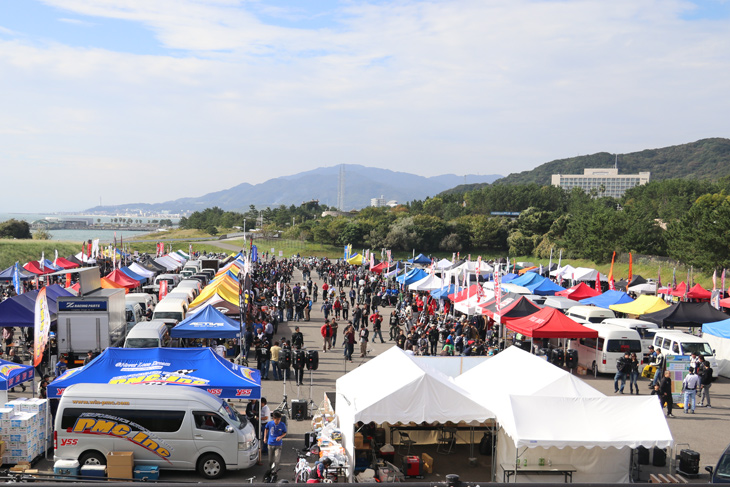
[196, 367]
[12, 374]
[718, 328]
[420, 259]
[412, 276]
[444, 292]
[545, 288]
[130, 273]
[49, 265]
[207, 323]
[607, 299]
[509, 278]
[528, 278]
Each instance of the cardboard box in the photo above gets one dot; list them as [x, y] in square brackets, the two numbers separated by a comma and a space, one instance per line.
[358, 440]
[120, 459]
[427, 462]
[119, 471]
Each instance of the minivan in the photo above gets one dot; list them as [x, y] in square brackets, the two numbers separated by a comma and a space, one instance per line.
[172, 280]
[170, 308]
[145, 300]
[150, 334]
[677, 342]
[645, 329]
[601, 354]
[589, 314]
[172, 427]
[134, 314]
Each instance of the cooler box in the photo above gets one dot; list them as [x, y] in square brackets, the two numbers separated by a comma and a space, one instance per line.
[387, 453]
[63, 468]
[689, 462]
[412, 467]
[147, 472]
[96, 471]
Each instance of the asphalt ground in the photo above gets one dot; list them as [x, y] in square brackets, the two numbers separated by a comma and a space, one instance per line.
[706, 431]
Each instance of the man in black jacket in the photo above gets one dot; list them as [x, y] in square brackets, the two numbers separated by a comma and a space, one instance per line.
[705, 382]
[623, 366]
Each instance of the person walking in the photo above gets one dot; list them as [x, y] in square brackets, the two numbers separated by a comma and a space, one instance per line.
[326, 333]
[349, 341]
[659, 364]
[16, 360]
[364, 338]
[274, 437]
[705, 383]
[634, 375]
[623, 366]
[665, 389]
[690, 385]
[377, 321]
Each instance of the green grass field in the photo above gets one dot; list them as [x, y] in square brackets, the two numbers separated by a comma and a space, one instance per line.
[12, 251]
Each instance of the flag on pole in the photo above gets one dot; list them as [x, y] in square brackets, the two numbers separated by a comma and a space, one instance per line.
[43, 261]
[16, 279]
[42, 325]
[598, 282]
[611, 284]
[498, 289]
[686, 287]
[550, 262]
[631, 266]
[674, 279]
[722, 282]
[659, 278]
[163, 290]
[714, 280]
[560, 258]
[55, 257]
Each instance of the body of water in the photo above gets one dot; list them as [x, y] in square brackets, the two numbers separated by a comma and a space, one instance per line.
[104, 236]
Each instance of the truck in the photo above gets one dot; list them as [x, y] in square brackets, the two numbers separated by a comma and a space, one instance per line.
[210, 264]
[90, 323]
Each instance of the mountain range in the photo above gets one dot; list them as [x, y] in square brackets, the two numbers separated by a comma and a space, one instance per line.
[361, 184]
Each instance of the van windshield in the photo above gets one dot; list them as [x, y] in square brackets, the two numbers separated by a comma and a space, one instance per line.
[167, 315]
[596, 319]
[623, 346]
[238, 420]
[698, 348]
[142, 343]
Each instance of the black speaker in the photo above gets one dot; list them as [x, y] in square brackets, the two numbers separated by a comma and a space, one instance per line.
[659, 457]
[312, 359]
[299, 359]
[571, 358]
[557, 358]
[642, 454]
[284, 358]
[299, 409]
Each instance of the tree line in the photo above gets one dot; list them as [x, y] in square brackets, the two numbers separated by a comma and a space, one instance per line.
[686, 220]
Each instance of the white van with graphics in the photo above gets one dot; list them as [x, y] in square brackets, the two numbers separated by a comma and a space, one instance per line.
[173, 427]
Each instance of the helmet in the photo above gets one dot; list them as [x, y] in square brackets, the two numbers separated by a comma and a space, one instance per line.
[327, 461]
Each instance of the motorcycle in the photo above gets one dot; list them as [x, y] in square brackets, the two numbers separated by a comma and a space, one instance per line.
[272, 475]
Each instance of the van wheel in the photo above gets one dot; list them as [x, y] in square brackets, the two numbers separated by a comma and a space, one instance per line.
[211, 466]
[92, 458]
[594, 369]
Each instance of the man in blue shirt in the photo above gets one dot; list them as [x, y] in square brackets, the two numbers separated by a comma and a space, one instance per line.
[273, 437]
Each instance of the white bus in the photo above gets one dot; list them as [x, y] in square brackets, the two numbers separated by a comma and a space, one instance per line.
[601, 354]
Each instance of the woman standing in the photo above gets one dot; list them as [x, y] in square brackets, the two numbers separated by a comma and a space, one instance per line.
[634, 375]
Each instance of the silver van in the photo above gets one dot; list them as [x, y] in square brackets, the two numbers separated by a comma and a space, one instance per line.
[172, 427]
[150, 334]
[589, 314]
[171, 308]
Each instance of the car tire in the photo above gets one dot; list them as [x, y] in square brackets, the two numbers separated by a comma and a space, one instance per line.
[92, 458]
[211, 466]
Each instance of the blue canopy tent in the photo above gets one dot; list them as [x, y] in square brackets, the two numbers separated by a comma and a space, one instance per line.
[406, 275]
[545, 288]
[7, 274]
[444, 292]
[528, 278]
[49, 264]
[607, 299]
[196, 367]
[420, 259]
[412, 276]
[207, 323]
[130, 273]
[20, 310]
[509, 277]
[12, 374]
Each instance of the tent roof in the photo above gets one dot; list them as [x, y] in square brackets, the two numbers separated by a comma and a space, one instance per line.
[379, 267]
[685, 314]
[196, 367]
[545, 288]
[355, 259]
[109, 284]
[65, 263]
[154, 266]
[608, 298]
[138, 269]
[414, 394]
[7, 274]
[698, 292]
[511, 309]
[566, 271]
[587, 422]
[443, 293]
[12, 374]
[207, 323]
[35, 267]
[550, 323]
[578, 292]
[133, 275]
[122, 279]
[585, 274]
[528, 278]
[444, 264]
[428, 283]
[412, 276]
[642, 305]
[420, 259]
[223, 305]
[464, 293]
[718, 328]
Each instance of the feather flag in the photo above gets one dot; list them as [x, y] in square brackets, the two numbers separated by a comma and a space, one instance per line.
[674, 279]
[42, 326]
[16, 279]
[631, 266]
[497, 290]
[722, 282]
[611, 284]
[550, 262]
[560, 258]
[598, 282]
[659, 278]
[714, 280]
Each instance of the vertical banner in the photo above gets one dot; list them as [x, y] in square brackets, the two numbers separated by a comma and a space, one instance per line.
[560, 258]
[95, 247]
[714, 280]
[722, 283]
[43, 261]
[190, 251]
[674, 279]
[68, 279]
[42, 326]
[659, 278]
[254, 254]
[16, 279]
[598, 282]
[550, 262]
[631, 268]
[55, 257]
[163, 290]
[498, 289]
[611, 284]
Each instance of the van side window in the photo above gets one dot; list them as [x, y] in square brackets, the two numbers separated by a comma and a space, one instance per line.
[667, 344]
[209, 421]
[624, 346]
[599, 343]
[675, 348]
[588, 342]
[158, 421]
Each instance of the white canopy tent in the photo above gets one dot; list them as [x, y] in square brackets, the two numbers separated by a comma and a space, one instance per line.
[646, 288]
[168, 263]
[428, 283]
[470, 306]
[586, 274]
[415, 394]
[444, 264]
[566, 271]
[141, 271]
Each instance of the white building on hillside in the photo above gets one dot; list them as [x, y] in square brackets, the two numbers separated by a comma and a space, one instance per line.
[606, 181]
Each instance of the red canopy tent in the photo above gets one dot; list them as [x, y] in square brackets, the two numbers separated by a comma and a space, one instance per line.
[725, 303]
[379, 267]
[578, 292]
[65, 264]
[550, 323]
[35, 267]
[464, 293]
[515, 309]
[698, 292]
[122, 279]
[680, 290]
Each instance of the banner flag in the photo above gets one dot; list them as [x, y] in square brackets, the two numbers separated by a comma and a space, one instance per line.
[631, 267]
[16, 279]
[722, 282]
[598, 282]
[55, 257]
[163, 290]
[659, 278]
[498, 289]
[560, 258]
[254, 253]
[43, 261]
[714, 280]
[550, 262]
[674, 279]
[42, 326]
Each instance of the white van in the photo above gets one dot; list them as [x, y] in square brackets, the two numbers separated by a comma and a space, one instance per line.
[193, 284]
[645, 329]
[171, 308]
[601, 354]
[677, 342]
[134, 314]
[143, 299]
[172, 280]
[150, 334]
[589, 314]
[173, 427]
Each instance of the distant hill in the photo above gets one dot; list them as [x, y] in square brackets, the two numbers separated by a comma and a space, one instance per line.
[361, 184]
[704, 159]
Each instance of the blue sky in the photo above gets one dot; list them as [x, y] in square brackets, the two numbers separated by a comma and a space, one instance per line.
[206, 94]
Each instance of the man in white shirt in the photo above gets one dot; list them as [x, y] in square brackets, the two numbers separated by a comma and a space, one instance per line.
[265, 418]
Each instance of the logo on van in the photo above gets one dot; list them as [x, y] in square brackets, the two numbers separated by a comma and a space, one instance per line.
[104, 424]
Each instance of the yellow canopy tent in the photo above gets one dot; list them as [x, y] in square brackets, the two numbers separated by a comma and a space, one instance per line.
[642, 305]
[355, 260]
[223, 291]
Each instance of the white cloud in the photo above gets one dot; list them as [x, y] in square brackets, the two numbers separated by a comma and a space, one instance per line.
[430, 87]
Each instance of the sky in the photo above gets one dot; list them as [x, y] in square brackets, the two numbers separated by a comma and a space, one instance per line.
[124, 101]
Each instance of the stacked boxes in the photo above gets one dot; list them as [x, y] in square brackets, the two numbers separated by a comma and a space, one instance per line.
[24, 430]
[119, 464]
